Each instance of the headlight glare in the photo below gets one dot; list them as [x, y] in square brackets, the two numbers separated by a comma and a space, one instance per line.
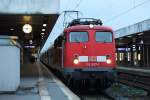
[108, 61]
[75, 61]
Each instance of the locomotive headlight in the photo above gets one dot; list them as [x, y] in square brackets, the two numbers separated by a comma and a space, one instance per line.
[108, 61]
[75, 61]
[91, 26]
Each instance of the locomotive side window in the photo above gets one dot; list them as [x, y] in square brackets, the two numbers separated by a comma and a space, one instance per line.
[78, 36]
[103, 37]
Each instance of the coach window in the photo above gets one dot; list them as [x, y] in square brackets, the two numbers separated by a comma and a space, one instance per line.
[103, 37]
[78, 36]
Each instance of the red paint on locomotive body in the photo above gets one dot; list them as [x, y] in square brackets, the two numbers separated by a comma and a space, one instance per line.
[85, 52]
[91, 53]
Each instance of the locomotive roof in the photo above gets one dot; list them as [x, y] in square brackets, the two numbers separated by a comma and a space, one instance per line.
[86, 27]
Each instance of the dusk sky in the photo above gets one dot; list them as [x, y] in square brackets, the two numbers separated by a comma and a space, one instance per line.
[114, 13]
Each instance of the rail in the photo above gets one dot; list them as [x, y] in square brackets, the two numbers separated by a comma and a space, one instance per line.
[135, 79]
[101, 96]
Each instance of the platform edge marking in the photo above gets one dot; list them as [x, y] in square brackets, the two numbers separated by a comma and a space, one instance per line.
[63, 87]
[43, 91]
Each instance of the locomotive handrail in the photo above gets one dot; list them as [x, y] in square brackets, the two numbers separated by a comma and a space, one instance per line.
[85, 21]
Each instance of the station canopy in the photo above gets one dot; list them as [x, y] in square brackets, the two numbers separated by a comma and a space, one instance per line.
[40, 15]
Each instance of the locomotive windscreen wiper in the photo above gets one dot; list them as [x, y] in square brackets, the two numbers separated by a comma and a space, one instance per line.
[105, 41]
[104, 37]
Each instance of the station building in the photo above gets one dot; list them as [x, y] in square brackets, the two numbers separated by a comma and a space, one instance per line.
[133, 45]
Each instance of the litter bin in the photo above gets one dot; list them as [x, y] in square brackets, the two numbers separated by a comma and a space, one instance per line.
[9, 64]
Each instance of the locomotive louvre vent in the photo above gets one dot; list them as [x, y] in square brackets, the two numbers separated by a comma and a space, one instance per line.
[85, 21]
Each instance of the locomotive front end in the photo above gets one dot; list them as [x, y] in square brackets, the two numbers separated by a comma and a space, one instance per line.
[89, 55]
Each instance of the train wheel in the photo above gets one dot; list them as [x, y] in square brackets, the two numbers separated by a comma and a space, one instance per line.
[69, 82]
[76, 85]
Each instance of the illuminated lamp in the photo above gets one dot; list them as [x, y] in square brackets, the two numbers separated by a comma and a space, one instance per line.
[30, 41]
[75, 61]
[11, 29]
[108, 61]
[42, 33]
[27, 28]
[91, 25]
[43, 30]
[44, 25]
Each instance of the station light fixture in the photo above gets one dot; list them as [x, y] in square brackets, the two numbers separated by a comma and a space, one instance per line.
[44, 25]
[27, 18]
[27, 28]
[141, 42]
[140, 33]
[120, 38]
[11, 29]
[29, 46]
[43, 30]
[129, 36]
[30, 41]
[42, 33]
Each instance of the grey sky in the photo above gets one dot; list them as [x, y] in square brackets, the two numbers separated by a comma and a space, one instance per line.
[113, 13]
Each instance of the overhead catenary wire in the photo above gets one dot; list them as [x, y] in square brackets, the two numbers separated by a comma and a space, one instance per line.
[73, 10]
[78, 4]
[67, 4]
[54, 36]
[128, 10]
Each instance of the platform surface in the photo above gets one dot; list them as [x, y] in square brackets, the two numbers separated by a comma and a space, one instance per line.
[38, 83]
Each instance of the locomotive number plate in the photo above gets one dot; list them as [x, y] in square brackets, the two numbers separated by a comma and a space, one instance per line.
[92, 64]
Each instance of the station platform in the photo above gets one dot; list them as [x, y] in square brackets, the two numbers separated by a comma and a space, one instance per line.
[38, 83]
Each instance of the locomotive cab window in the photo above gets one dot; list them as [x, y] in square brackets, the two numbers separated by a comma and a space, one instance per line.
[78, 36]
[105, 37]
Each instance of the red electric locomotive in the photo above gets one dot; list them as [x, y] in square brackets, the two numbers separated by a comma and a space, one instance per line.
[85, 54]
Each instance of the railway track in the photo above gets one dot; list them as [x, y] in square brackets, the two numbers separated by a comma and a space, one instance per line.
[95, 96]
[135, 79]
